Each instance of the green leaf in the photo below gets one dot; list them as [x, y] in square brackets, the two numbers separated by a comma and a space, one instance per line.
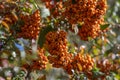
[102, 27]
[17, 78]
[28, 10]
[42, 35]
[79, 26]
[95, 69]
[74, 1]
[22, 1]
[107, 52]
[57, 0]
[31, 1]
[96, 72]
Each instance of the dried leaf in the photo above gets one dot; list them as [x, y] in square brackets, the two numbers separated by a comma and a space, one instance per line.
[79, 66]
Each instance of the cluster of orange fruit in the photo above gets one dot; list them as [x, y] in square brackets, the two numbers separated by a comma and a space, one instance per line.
[90, 13]
[90, 29]
[106, 67]
[31, 27]
[80, 63]
[79, 10]
[41, 62]
[56, 44]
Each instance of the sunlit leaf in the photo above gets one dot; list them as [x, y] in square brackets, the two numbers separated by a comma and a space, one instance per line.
[99, 42]
[48, 67]
[96, 51]
[117, 76]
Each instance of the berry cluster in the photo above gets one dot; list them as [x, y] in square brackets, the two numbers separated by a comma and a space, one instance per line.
[106, 67]
[31, 27]
[81, 63]
[90, 29]
[88, 12]
[79, 10]
[56, 44]
[41, 62]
